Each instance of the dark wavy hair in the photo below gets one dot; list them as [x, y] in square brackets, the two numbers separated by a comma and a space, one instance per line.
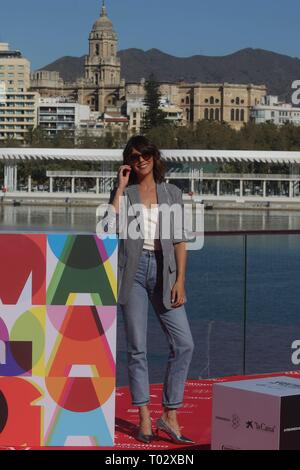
[145, 147]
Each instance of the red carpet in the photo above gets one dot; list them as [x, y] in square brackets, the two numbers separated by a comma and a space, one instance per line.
[194, 417]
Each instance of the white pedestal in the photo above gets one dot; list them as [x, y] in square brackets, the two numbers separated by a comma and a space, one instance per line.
[257, 414]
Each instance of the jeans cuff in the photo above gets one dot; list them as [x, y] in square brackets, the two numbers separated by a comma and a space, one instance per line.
[172, 405]
[141, 404]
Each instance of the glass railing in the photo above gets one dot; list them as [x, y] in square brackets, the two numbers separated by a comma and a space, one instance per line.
[243, 304]
[243, 297]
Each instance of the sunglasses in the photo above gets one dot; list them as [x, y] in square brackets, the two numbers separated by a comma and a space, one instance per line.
[135, 157]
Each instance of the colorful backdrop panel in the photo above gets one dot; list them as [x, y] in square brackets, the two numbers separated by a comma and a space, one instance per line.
[57, 340]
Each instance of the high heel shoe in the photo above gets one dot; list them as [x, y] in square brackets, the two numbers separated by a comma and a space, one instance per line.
[161, 425]
[146, 438]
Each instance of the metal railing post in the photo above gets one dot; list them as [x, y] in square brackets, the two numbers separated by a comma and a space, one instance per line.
[245, 302]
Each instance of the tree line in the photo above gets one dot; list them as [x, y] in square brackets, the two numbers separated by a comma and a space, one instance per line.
[201, 135]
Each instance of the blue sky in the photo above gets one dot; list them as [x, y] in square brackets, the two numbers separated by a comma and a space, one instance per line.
[46, 30]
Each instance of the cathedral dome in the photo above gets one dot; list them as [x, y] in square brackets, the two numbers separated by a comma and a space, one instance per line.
[103, 23]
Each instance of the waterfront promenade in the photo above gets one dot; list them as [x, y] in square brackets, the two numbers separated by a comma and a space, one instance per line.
[90, 199]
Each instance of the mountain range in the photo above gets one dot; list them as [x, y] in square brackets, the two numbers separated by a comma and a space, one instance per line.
[256, 66]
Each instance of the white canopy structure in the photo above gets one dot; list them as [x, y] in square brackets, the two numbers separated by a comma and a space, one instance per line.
[192, 171]
[15, 155]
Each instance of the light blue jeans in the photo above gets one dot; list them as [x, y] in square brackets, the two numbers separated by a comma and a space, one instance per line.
[148, 285]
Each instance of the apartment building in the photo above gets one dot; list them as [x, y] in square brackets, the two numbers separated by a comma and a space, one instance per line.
[57, 114]
[18, 106]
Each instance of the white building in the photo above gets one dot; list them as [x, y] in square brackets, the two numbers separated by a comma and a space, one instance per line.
[273, 110]
[93, 126]
[56, 114]
[98, 125]
[172, 113]
[136, 110]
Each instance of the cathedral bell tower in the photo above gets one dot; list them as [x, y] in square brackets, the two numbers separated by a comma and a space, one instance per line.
[102, 65]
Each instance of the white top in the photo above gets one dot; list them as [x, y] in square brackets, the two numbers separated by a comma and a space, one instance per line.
[151, 227]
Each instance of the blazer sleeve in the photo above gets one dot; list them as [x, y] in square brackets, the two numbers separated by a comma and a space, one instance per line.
[180, 234]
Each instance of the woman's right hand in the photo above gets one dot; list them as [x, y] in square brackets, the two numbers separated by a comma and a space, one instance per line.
[123, 176]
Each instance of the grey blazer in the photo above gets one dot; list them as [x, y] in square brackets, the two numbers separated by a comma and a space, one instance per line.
[130, 250]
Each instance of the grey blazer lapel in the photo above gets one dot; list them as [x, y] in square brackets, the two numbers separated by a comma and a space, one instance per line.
[133, 194]
[162, 198]
[162, 194]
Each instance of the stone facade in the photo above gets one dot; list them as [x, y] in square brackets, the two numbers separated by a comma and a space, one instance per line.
[226, 102]
[231, 103]
[46, 79]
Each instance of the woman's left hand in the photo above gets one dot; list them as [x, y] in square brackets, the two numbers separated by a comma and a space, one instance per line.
[178, 294]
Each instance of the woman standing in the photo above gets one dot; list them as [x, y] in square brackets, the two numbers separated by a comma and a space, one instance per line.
[152, 267]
